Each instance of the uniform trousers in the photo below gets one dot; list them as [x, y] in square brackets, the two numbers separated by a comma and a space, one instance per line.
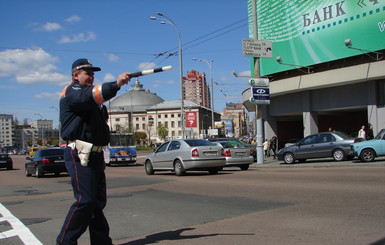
[89, 187]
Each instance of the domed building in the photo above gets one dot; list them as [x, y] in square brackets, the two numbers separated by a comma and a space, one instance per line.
[139, 110]
[128, 111]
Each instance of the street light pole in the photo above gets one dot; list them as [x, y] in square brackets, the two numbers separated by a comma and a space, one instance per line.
[59, 126]
[209, 63]
[167, 20]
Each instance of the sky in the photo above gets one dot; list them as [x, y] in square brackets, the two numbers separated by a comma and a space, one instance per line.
[40, 39]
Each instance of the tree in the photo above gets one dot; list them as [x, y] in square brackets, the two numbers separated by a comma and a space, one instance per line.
[162, 131]
[140, 136]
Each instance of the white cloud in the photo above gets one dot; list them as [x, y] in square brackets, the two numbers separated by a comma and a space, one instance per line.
[39, 77]
[51, 26]
[80, 37]
[49, 96]
[109, 77]
[30, 66]
[158, 83]
[112, 57]
[73, 19]
[146, 66]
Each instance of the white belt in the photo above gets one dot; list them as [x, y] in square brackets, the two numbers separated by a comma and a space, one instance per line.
[95, 148]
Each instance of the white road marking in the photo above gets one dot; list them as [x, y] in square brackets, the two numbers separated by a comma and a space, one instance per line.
[18, 228]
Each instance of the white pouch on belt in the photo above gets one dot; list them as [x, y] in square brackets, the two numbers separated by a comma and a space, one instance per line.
[84, 150]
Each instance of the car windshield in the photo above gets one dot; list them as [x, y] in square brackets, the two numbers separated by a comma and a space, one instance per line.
[4, 156]
[229, 144]
[380, 135]
[198, 142]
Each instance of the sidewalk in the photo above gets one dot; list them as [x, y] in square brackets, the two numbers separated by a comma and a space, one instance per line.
[269, 162]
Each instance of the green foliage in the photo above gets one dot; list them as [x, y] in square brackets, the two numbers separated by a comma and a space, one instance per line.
[162, 131]
[140, 136]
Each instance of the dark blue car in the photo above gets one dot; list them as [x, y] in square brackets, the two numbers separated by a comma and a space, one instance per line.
[49, 160]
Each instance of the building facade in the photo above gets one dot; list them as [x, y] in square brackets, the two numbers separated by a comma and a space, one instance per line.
[330, 74]
[6, 130]
[235, 120]
[196, 89]
[139, 110]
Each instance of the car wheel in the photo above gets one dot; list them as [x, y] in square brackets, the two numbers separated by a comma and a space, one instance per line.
[38, 173]
[178, 168]
[244, 167]
[367, 155]
[149, 168]
[338, 155]
[213, 171]
[26, 172]
[288, 158]
[9, 167]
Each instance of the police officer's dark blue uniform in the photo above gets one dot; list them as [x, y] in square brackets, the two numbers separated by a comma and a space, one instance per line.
[83, 117]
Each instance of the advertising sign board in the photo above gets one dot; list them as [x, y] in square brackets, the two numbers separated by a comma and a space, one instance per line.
[191, 119]
[306, 33]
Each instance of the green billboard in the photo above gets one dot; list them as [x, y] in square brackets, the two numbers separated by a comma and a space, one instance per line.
[309, 32]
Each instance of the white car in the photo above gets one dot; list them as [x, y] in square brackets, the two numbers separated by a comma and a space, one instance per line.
[184, 155]
[237, 155]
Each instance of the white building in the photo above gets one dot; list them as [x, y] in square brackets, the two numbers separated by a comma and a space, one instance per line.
[6, 130]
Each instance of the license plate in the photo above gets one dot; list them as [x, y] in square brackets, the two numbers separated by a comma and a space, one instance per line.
[210, 154]
[59, 161]
[240, 154]
[3, 161]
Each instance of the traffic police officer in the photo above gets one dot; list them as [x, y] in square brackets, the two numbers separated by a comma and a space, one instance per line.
[83, 118]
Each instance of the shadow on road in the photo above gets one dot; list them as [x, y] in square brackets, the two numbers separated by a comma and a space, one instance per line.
[176, 235]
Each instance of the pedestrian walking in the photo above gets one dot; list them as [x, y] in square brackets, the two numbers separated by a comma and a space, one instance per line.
[83, 119]
[273, 146]
[266, 148]
[369, 132]
[361, 132]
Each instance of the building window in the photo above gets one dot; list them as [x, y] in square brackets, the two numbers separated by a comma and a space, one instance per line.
[117, 119]
[137, 126]
[165, 115]
[172, 115]
[173, 124]
[159, 116]
[166, 124]
[143, 126]
[143, 119]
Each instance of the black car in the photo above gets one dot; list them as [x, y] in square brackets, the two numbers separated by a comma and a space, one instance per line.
[237, 142]
[6, 161]
[49, 160]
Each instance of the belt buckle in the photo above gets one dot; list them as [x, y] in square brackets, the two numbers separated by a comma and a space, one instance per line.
[97, 148]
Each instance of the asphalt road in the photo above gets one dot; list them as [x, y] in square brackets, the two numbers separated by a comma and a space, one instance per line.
[317, 202]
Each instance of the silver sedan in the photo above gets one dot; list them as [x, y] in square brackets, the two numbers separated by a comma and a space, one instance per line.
[180, 156]
[237, 155]
[328, 144]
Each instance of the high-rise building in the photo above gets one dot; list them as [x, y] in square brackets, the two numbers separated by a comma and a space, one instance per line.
[235, 119]
[196, 89]
[6, 130]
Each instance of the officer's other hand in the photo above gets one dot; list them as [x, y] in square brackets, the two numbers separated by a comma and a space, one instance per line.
[123, 79]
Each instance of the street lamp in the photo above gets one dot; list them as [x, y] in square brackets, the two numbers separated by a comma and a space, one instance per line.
[167, 20]
[210, 63]
[42, 129]
[54, 107]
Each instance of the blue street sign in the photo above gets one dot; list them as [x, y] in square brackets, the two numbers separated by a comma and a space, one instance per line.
[260, 95]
